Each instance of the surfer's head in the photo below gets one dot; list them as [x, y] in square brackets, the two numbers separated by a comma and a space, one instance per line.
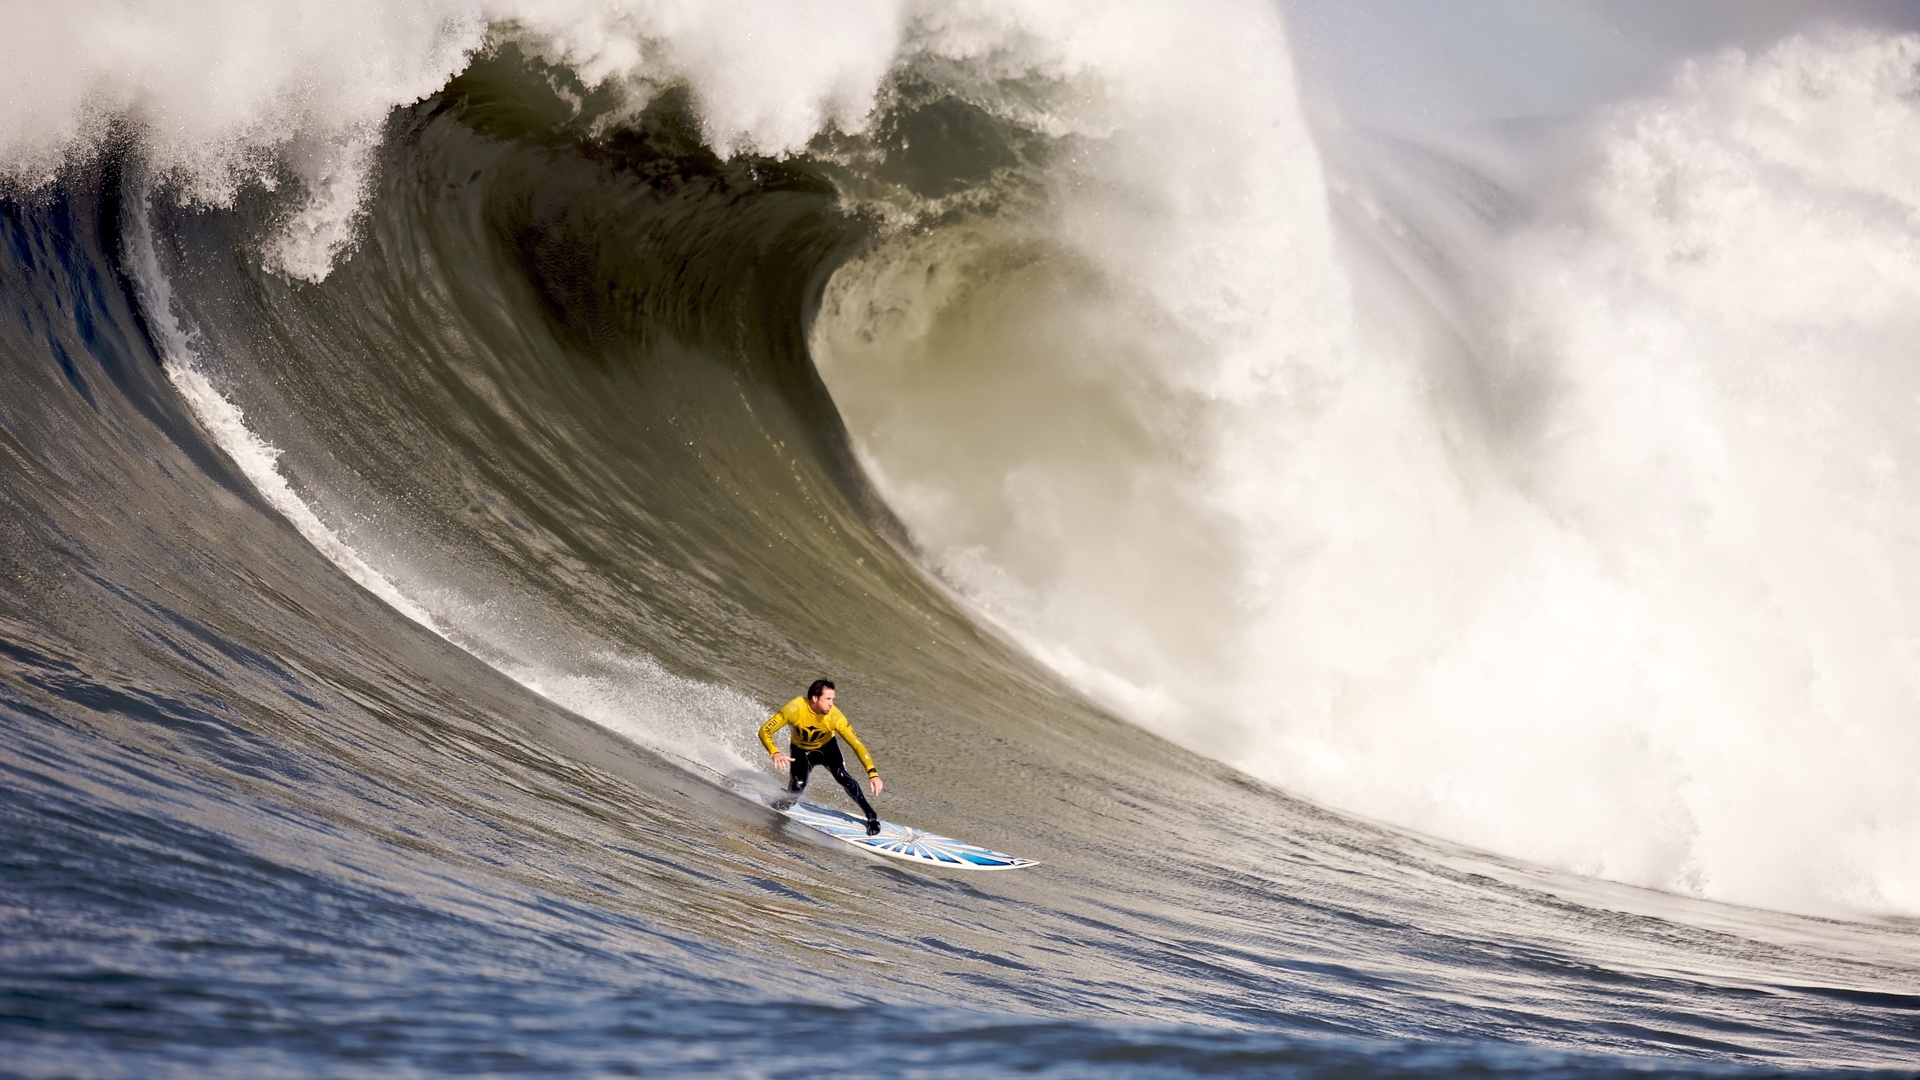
[820, 696]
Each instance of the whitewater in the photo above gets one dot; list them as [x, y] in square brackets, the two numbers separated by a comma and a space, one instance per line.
[1432, 582]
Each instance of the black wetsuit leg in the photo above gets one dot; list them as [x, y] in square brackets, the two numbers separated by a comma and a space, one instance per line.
[829, 758]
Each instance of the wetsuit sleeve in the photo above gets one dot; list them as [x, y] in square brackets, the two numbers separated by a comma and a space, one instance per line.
[775, 723]
[846, 732]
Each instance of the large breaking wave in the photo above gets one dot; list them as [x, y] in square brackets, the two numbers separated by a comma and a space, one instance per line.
[660, 355]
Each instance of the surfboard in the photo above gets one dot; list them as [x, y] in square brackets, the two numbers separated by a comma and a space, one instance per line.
[904, 842]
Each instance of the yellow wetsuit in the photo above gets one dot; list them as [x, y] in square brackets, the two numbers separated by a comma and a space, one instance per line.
[811, 731]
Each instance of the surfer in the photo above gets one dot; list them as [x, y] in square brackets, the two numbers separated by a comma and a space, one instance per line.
[815, 722]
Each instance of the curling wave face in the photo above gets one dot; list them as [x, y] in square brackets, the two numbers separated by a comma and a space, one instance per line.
[288, 548]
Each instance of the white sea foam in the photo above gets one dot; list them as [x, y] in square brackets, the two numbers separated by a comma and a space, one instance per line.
[1637, 596]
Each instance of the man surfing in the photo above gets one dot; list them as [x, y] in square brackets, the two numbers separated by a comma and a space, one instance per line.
[815, 722]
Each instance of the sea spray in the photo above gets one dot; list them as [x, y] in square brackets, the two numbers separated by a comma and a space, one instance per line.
[222, 95]
[1630, 595]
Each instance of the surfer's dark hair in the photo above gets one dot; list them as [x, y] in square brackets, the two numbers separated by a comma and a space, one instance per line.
[819, 685]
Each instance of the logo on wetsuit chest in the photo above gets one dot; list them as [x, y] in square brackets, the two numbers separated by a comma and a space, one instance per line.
[811, 736]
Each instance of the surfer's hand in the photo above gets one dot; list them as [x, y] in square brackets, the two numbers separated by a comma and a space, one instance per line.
[876, 784]
[781, 761]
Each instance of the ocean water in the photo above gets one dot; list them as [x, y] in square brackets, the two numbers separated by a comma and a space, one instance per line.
[1422, 551]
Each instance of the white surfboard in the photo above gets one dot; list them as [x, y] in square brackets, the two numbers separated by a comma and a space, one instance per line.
[902, 842]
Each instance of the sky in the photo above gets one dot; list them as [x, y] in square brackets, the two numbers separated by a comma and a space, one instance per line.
[1408, 64]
